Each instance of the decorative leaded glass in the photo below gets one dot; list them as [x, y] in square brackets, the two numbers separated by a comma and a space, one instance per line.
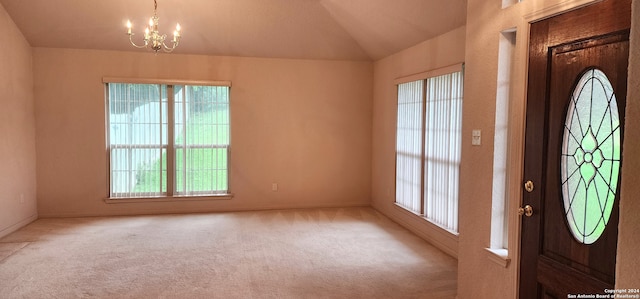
[590, 163]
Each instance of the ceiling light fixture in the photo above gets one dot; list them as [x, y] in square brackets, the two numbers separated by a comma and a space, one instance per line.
[152, 38]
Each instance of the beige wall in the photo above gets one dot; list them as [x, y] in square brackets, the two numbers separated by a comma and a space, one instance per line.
[304, 124]
[485, 22]
[438, 52]
[17, 129]
[628, 264]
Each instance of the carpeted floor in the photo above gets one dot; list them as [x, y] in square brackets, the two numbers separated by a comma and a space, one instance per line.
[315, 253]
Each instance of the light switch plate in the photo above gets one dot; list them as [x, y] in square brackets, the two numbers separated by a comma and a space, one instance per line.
[476, 137]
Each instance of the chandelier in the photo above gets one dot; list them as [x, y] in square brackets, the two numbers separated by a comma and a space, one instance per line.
[152, 38]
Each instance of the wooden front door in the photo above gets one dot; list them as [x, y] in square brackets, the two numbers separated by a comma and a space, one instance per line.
[575, 117]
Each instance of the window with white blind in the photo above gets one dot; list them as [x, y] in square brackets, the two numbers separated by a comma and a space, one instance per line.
[428, 145]
[167, 140]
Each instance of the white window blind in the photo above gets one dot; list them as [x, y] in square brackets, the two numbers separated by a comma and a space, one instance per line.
[428, 146]
[443, 135]
[137, 139]
[167, 140]
[202, 139]
[409, 146]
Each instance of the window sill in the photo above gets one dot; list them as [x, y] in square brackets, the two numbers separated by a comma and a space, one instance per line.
[498, 256]
[422, 217]
[168, 199]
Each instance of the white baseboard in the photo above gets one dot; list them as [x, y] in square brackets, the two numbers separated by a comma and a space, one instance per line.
[5, 231]
[431, 233]
[158, 210]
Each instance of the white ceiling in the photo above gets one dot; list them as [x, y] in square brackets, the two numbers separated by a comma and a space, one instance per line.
[309, 29]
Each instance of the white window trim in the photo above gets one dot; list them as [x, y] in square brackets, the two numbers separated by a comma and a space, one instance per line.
[459, 67]
[167, 197]
[165, 81]
[428, 74]
[216, 197]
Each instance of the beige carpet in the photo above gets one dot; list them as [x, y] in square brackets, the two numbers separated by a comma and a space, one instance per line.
[316, 253]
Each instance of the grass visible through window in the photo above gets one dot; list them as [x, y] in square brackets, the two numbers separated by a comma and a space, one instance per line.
[206, 167]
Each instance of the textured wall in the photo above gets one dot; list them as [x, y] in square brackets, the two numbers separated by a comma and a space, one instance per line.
[628, 263]
[485, 22]
[17, 129]
[304, 124]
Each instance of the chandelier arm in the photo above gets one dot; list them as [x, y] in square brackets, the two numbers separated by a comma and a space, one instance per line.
[169, 49]
[134, 44]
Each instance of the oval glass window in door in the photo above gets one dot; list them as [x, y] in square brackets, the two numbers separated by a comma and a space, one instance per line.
[590, 163]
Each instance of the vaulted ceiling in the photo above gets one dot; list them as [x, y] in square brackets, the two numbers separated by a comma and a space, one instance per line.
[308, 29]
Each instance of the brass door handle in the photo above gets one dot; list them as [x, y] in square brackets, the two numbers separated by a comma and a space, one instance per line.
[527, 211]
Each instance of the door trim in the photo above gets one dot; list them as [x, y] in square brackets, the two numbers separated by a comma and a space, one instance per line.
[557, 9]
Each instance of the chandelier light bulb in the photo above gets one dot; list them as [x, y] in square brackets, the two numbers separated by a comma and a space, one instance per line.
[176, 34]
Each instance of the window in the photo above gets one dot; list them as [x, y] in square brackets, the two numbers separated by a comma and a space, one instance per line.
[591, 152]
[500, 185]
[428, 145]
[167, 139]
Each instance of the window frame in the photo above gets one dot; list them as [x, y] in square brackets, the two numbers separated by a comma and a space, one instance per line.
[170, 146]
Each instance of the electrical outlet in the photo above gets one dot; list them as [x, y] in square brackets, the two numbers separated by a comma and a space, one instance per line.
[21, 198]
[274, 187]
